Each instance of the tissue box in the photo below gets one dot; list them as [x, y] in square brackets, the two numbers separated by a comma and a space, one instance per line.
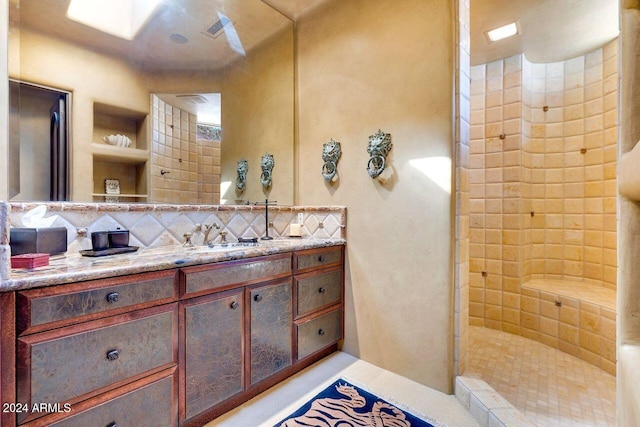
[52, 240]
[29, 260]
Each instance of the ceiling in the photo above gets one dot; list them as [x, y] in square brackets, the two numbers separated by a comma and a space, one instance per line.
[551, 30]
[252, 22]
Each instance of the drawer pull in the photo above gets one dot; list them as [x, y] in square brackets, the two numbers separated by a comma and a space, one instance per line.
[320, 331]
[112, 355]
[257, 297]
[112, 424]
[321, 290]
[321, 258]
[112, 297]
[234, 305]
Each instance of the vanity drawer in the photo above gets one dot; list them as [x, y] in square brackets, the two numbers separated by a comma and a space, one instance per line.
[202, 279]
[150, 405]
[317, 290]
[56, 306]
[318, 333]
[317, 258]
[79, 361]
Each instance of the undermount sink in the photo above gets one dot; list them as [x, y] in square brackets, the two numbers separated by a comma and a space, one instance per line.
[220, 247]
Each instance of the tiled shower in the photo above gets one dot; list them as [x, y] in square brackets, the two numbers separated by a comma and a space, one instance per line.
[542, 184]
[185, 162]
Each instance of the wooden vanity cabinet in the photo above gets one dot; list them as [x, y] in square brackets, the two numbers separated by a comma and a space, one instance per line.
[318, 303]
[236, 335]
[270, 329]
[83, 345]
[170, 348]
[213, 350]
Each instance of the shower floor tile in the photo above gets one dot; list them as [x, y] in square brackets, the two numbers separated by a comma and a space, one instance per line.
[550, 387]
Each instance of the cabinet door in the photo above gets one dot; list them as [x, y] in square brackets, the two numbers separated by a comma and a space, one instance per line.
[213, 327]
[271, 316]
[146, 406]
[76, 362]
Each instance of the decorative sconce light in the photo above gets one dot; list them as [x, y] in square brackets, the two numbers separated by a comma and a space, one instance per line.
[241, 180]
[331, 153]
[378, 148]
[266, 164]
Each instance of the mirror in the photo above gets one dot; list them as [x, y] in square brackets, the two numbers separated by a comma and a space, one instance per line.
[147, 84]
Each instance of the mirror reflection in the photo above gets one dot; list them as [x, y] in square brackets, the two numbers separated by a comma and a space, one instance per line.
[158, 108]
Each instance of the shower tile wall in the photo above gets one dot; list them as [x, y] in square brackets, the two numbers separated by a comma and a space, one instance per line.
[208, 171]
[542, 180]
[497, 194]
[570, 154]
[191, 165]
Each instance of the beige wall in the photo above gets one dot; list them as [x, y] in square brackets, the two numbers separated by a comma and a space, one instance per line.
[81, 72]
[384, 64]
[257, 117]
[628, 321]
[4, 105]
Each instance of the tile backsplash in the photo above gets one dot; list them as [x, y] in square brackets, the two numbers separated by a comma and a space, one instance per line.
[154, 225]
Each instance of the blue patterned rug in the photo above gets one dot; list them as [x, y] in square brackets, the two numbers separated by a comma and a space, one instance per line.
[343, 404]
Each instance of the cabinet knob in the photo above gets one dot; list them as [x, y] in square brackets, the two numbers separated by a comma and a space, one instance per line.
[321, 290]
[234, 305]
[112, 297]
[257, 297]
[320, 331]
[321, 258]
[112, 355]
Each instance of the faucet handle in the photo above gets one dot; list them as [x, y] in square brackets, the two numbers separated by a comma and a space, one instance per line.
[223, 236]
[187, 239]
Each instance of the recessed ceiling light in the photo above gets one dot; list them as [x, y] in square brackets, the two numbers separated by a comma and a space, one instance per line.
[502, 32]
[121, 18]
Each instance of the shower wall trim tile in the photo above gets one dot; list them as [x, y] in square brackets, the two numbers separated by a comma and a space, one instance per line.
[461, 244]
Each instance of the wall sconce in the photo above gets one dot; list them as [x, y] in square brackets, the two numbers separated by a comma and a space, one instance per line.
[241, 180]
[331, 153]
[266, 164]
[378, 148]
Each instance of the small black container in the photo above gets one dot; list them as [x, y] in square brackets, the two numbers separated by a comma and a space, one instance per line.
[119, 238]
[100, 240]
[40, 240]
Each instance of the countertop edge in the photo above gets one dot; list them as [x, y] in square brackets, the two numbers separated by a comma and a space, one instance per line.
[151, 260]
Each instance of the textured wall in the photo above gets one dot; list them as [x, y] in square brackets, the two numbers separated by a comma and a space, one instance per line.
[257, 117]
[383, 64]
[67, 67]
[628, 395]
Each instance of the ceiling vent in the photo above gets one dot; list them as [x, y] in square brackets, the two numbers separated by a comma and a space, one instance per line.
[192, 99]
[216, 29]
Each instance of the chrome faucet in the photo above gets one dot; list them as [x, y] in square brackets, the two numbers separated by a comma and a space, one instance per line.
[207, 230]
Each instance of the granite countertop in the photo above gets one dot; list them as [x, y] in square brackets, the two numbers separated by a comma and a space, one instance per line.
[75, 267]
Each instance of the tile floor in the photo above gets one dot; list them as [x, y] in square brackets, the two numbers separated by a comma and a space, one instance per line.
[550, 387]
[276, 403]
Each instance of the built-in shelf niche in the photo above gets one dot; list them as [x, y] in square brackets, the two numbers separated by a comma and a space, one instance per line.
[111, 120]
[129, 165]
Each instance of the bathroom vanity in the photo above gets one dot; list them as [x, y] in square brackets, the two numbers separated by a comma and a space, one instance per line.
[173, 347]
